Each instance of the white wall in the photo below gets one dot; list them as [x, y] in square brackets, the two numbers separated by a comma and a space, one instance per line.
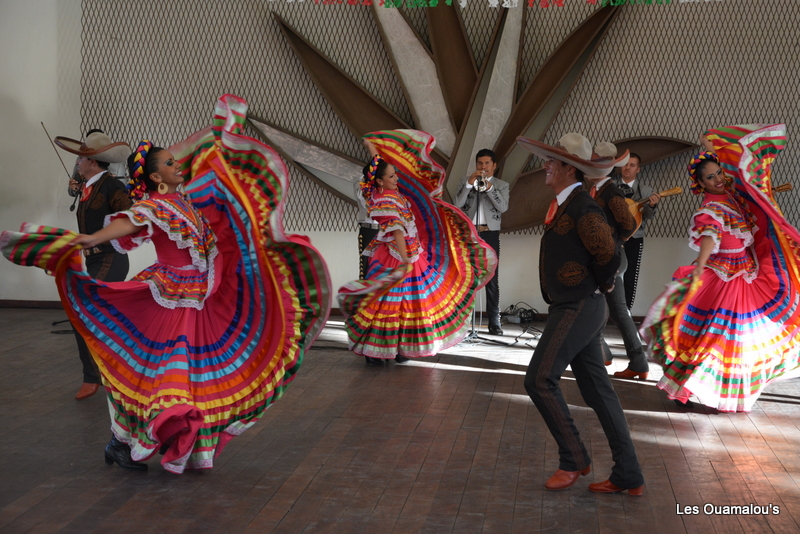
[40, 82]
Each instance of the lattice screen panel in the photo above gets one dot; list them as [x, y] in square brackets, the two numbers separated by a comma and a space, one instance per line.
[479, 20]
[661, 70]
[543, 31]
[418, 21]
[161, 81]
[676, 70]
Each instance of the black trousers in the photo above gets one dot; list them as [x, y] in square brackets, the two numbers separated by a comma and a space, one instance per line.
[633, 252]
[571, 338]
[621, 316]
[365, 237]
[493, 287]
[108, 267]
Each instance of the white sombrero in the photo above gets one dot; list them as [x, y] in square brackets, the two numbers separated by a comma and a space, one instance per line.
[605, 151]
[574, 149]
[97, 146]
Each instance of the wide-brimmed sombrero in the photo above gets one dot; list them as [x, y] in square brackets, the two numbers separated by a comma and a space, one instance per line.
[97, 146]
[606, 150]
[573, 149]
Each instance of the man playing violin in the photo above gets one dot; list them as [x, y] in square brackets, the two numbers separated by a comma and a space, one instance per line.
[101, 194]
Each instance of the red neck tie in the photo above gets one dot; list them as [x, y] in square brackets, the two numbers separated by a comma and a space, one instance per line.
[593, 191]
[551, 212]
[87, 190]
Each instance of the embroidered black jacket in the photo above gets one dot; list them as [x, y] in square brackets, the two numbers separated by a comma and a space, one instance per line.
[578, 253]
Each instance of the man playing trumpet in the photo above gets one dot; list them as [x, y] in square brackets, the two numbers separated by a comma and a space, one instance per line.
[484, 198]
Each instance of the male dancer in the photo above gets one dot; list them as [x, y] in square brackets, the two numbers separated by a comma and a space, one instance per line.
[487, 217]
[577, 260]
[101, 194]
[622, 223]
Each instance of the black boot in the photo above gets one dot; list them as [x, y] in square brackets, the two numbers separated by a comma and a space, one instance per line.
[119, 452]
[687, 404]
[373, 361]
[400, 359]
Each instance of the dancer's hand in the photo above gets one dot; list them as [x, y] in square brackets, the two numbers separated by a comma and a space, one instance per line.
[706, 144]
[370, 147]
[87, 241]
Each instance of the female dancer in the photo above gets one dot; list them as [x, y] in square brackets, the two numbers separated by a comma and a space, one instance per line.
[193, 349]
[427, 260]
[727, 325]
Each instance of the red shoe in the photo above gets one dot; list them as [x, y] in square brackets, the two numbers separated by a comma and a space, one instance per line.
[563, 479]
[609, 362]
[627, 373]
[87, 390]
[608, 487]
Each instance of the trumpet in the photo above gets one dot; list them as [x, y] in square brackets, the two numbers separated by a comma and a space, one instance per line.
[481, 183]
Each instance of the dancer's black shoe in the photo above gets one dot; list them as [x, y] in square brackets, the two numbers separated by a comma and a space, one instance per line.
[119, 452]
[687, 404]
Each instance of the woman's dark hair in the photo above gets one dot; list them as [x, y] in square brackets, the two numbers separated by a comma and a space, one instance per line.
[700, 168]
[380, 171]
[150, 164]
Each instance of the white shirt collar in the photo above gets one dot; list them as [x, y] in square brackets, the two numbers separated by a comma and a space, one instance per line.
[562, 196]
[91, 181]
[599, 184]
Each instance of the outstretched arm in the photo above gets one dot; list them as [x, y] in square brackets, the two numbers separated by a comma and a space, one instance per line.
[369, 146]
[706, 144]
[117, 228]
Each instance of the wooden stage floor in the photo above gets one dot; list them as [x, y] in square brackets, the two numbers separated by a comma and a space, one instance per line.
[444, 444]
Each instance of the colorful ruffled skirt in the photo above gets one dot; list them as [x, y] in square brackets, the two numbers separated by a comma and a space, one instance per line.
[418, 309]
[188, 379]
[724, 341]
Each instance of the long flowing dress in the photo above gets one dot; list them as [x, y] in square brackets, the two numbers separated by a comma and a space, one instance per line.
[726, 335]
[193, 349]
[421, 308]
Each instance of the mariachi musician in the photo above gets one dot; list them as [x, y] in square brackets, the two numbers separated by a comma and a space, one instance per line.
[101, 194]
[632, 187]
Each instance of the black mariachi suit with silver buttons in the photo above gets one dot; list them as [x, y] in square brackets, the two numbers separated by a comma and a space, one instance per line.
[635, 245]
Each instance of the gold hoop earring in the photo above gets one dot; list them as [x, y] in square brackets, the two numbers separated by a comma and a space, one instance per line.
[162, 188]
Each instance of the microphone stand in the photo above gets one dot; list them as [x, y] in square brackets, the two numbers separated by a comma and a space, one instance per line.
[472, 336]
